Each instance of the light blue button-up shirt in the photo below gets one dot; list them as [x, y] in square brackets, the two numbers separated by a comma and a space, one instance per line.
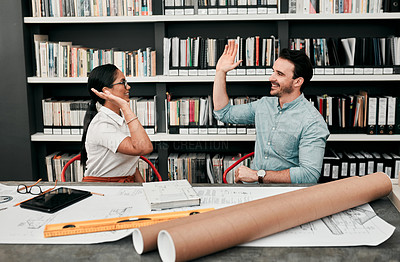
[292, 137]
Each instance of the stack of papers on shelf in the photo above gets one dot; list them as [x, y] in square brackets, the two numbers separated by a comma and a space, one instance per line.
[170, 194]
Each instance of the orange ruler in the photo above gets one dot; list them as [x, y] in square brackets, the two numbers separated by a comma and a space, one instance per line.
[118, 223]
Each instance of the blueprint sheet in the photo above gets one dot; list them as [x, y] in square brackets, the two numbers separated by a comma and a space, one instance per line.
[353, 227]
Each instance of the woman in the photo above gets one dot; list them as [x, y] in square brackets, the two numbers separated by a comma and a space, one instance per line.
[113, 138]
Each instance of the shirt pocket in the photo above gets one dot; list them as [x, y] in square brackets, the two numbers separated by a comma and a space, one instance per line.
[285, 144]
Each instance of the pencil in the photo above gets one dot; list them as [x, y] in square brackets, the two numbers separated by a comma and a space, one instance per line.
[93, 193]
[24, 201]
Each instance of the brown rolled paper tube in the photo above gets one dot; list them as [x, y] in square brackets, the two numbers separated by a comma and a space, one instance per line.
[264, 217]
[145, 238]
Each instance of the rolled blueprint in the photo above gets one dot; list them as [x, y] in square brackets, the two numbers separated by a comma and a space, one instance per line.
[216, 230]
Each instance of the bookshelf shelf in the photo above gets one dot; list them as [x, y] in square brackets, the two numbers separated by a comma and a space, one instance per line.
[209, 79]
[205, 18]
[40, 137]
[163, 137]
[378, 16]
[83, 80]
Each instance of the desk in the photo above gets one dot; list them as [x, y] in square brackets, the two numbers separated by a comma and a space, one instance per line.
[122, 250]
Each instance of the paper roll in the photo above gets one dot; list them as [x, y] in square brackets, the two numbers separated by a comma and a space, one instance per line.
[213, 231]
[145, 238]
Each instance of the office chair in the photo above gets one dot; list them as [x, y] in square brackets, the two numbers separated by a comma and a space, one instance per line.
[78, 157]
[235, 164]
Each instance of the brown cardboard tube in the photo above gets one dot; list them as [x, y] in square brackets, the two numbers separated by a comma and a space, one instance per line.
[232, 226]
[145, 238]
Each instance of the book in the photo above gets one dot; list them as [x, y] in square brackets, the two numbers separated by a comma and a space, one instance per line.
[170, 194]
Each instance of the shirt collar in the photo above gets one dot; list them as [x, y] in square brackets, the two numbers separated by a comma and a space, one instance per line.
[292, 103]
[111, 114]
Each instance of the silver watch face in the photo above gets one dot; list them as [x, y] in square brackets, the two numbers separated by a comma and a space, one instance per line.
[261, 173]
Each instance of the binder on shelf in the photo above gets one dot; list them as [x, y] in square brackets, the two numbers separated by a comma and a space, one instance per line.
[362, 164]
[391, 114]
[370, 162]
[353, 165]
[330, 167]
[379, 162]
[272, 7]
[344, 164]
[372, 115]
[388, 165]
[397, 117]
[396, 165]
[233, 7]
[382, 115]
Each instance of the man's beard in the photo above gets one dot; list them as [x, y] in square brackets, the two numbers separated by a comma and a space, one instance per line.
[278, 92]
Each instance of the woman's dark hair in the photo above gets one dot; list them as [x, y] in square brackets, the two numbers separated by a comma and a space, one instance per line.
[302, 65]
[100, 77]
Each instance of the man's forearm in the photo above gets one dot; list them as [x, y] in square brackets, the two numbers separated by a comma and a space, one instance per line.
[282, 176]
[220, 96]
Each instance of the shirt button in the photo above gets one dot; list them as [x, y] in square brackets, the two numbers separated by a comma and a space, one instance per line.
[273, 128]
[280, 112]
[266, 157]
[269, 143]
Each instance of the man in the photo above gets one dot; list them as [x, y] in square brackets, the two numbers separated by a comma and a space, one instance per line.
[291, 133]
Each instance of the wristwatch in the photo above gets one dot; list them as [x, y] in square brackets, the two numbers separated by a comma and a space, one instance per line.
[261, 175]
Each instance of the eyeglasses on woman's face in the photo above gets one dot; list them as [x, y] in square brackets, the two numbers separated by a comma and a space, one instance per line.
[123, 82]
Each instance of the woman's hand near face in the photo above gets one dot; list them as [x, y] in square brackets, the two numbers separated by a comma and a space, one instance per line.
[108, 96]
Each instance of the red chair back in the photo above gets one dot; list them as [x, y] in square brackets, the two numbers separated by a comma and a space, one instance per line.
[235, 164]
[78, 157]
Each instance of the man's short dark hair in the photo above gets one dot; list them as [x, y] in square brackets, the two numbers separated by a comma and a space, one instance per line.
[302, 64]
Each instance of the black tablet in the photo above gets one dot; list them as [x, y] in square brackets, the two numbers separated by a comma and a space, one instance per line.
[55, 200]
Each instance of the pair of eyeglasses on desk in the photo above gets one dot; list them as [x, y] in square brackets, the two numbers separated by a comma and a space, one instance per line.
[33, 190]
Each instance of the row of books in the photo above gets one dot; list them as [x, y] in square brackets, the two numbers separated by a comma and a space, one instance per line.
[75, 173]
[63, 59]
[145, 169]
[202, 168]
[82, 8]
[359, 113]
[220, 7]
[351, 51]
[65, 117]
[205, 168]
[200, 53]
[55, 163]
[339, 164]
[342, 6]
[194, 115]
